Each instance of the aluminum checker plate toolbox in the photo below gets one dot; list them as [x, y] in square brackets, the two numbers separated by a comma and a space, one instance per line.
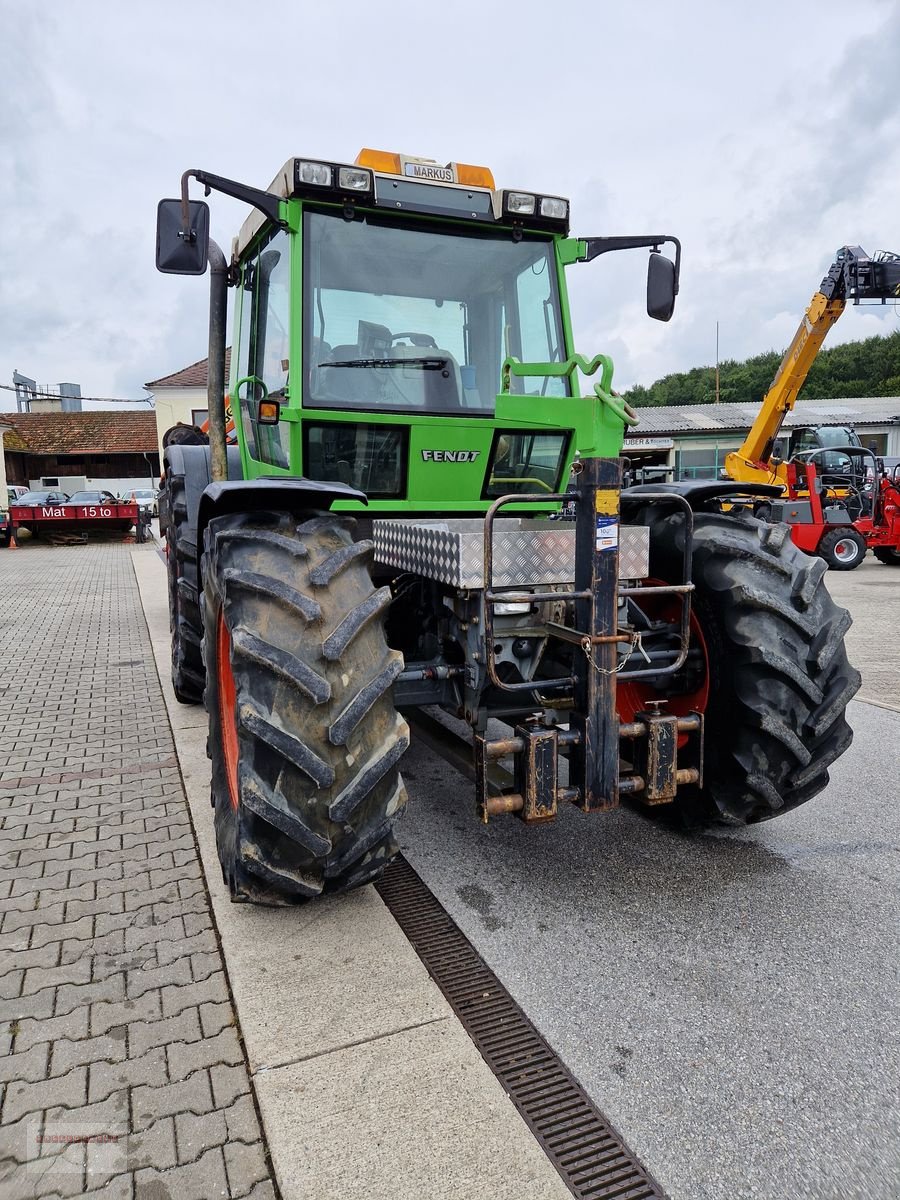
[525, 551]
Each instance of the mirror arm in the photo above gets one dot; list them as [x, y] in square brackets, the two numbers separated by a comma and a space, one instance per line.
[266, 202]
[603, 245]
[215, 380]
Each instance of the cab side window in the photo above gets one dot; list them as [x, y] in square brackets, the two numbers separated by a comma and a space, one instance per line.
[264, 347]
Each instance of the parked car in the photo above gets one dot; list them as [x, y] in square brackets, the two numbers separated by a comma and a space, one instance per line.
[42, 497]
[145, 498]
[14, 491]
[97, 496]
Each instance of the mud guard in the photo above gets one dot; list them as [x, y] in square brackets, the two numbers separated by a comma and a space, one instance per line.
[700, 492]
[283, 494]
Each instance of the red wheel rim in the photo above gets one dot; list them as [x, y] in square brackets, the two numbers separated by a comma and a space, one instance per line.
[632, 694]
[227, 707]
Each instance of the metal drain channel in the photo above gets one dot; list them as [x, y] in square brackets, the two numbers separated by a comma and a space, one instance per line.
[587, 1152]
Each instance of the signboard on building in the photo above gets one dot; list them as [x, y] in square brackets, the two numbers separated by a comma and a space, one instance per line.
[648, 443]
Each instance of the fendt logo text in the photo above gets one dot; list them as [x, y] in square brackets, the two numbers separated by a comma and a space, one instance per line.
[450, 455]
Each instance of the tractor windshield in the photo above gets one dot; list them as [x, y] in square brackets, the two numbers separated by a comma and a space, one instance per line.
[406, 317]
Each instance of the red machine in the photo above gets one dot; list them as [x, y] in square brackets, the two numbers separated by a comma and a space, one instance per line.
[838, 509]
[884, 538]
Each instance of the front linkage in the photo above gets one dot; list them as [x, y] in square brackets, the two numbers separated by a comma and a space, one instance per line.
[649, 757]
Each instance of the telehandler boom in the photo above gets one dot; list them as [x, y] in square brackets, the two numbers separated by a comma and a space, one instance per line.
[853, 276]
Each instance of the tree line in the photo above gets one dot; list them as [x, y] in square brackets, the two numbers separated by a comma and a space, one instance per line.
[870, 367]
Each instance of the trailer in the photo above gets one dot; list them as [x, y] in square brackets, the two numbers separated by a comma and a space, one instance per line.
[108, 516]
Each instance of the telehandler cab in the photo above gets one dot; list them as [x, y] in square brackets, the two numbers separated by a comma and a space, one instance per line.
[392, 531]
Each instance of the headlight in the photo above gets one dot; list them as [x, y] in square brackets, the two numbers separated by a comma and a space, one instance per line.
[554, 208]
[352, 179]
[520, 202]
[511, 608]
[314, 172]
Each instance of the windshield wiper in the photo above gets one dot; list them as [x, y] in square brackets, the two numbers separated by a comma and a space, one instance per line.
[431, 363]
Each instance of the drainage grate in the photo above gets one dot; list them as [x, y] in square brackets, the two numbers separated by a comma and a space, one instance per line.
[590, 1156]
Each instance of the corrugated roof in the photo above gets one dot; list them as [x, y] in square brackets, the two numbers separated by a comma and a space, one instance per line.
[98, 432]
[193, 376]
[715, 418]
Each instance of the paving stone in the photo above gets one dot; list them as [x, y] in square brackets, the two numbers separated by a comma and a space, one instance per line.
[38, 1005]
[186, 1057]
[92, 907]
[18, 1145]
[125, 963]
[73, 995]
[82, 930]
[202, 1180]
[148, 975]
[216, 1017]
[171, 935]
[169, 949]
[11, 984]
[152, 895]
[28, 1067]
[196, 922]
[193, 1094]
[205, 964]
[228, 1083]
[69, 1090]
[245, 1166]
[144, 1035]
[194, 1135]
[119, 1187]
[212, 990]
[37, 978]
[154, 1147]
[124, 1012]
[146, 1070]
[107, 943]
[241, 1120]
[19, 919]
[66, 1054]
[262, 1191]
[30, 1031]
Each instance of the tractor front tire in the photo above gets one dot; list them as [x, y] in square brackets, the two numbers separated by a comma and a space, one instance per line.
[887, 555]
[843, 549]
[303, 735]
[779, 680]
[188, 671]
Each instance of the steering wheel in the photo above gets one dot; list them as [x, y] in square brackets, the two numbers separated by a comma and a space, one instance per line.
[425, 339]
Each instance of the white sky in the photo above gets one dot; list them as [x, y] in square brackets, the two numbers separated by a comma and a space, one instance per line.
[765, 136]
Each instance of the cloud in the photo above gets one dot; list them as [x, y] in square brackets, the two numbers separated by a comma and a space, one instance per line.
[690, 119]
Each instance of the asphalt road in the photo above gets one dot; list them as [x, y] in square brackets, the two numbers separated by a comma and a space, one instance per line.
[731, 1002]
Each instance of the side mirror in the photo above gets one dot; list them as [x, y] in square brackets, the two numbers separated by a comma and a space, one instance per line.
[661, 287]
[180, 252]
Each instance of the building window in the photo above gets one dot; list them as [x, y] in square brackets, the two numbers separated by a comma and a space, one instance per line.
[705, 463]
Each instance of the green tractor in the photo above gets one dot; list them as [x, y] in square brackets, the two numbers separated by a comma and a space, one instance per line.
[410, 500]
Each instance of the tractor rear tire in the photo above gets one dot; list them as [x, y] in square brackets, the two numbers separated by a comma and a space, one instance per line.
[779, 680]
[843, 549]
[887, 555]
[303, 735]
[188, 671]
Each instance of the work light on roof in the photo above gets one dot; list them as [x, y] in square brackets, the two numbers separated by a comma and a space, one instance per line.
[315, 173]
[353, 179]
[522, 203]
[553, 207]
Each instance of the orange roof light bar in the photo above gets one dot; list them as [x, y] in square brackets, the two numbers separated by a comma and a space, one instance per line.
[379, 160]
[474, 176]
[425, 169]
